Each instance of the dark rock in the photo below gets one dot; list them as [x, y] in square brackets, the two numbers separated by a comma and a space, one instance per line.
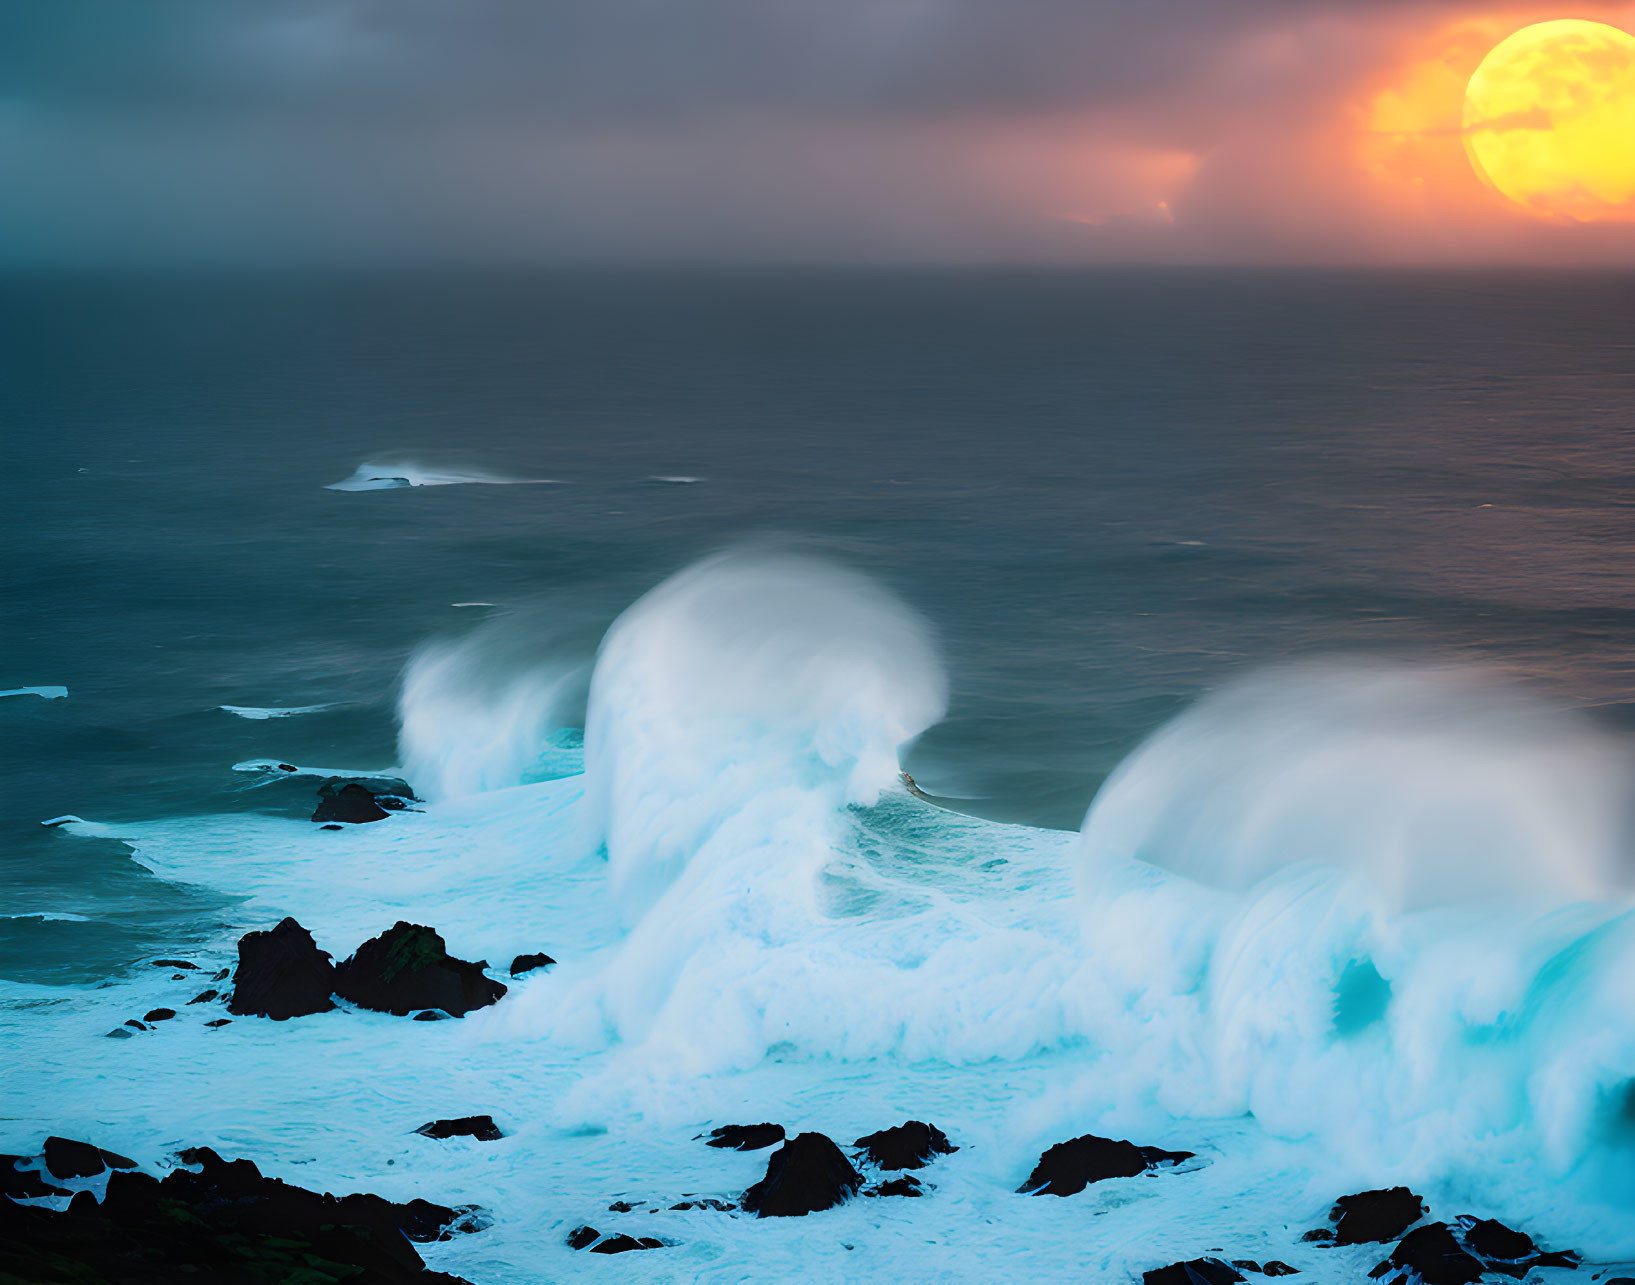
[431, 1015]
[224, 1223]
[807, 1174]
[1195, 1271]
[746, 1137]
[1069, 1167]
[720, 1206]
[583, 1237]
[407, 968]
[66, 1158]
[1429, 1255]
[221, 1021]
[621, 1207]
[332, 826]
[1371, 1216]
[22, 1184]
[1488, 1238]
[204, 997]
[134, 1024]
[527, 963]
[282, 974]
[172, 963]
[119, 1033]
[1272, 1268]
[222, 975]
[619, 1243]
[1319, 1235]
[480, 1127]
[159, 1015]
[288, 767]
[904, 1186]
[908, 1146]
[350, 804]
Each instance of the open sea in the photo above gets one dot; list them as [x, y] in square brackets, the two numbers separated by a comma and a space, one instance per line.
[1261, 647]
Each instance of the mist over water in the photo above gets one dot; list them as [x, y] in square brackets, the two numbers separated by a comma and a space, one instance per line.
[1265, 687]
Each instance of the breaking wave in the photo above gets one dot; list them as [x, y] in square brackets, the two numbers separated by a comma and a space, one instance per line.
[393, 476]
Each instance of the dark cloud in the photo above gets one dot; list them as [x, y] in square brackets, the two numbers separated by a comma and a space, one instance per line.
[820, 129]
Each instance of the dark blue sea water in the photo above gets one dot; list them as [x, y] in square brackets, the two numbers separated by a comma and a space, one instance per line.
[1108, 492]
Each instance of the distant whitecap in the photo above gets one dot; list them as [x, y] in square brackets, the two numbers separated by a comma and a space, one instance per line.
[259, 712]
[675, 480]
[388, 477]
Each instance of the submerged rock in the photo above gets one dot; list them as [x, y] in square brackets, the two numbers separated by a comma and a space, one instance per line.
[65, 1158]
[1429, 1255]
[908, 1146]
[349, 804]
[903, 1186]
[704, 1202]
[618, 1243]
[205, 997]
[480, 1127]
[407, 968]
[1069, 1167]
[746, 1137]
[527, 963]
[1371, 1216]
[805, 1175]
[282, 974]
[1195, 1271]
[172, 963]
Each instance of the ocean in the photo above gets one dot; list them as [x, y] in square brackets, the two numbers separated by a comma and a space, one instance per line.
[1258, 644]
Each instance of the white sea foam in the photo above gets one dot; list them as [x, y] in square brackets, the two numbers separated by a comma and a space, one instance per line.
[675, 479]
[275, 769]
[260, 712]
[394, 476]
[45, 693]
[776, 931]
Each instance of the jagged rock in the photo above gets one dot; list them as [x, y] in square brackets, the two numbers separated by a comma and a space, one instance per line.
[619, 1243]
[204, 997]
[23, 1183]
[172, 963]
[480, 1127]
[622, 1207]
[407, 968]
[1195, 1271]
[1273, 1267]
[583, 1237]
[349, 804]
[527, 963]
[223, 975]
[807, 1174]
[908, 1146]
[282, 974]
[1069, 1167]
[225, 1223]
[1371, 1216]
[720, 1206]
[903, 1186]
[1488, 1238]
[1429, 1255]
[66, 1158]
[746, 1137]
[159, 1015]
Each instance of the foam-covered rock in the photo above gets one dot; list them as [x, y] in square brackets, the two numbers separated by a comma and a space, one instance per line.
[1429, 1255]
[407, 968]
[1195, 1271]
[528, 963]
[1371, 1216]
[1069, 1167]
[909, 1145]
[66, 1158]
[805, 1175]
[282, 974]
[349, 804]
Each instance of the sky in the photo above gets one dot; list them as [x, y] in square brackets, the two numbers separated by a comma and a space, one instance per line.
[759, 131]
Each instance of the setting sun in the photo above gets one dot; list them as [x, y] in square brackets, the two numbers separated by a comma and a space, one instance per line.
[1549, 120]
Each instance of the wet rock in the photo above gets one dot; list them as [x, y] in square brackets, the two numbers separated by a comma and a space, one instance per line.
[1489, 1238]
[223, 975]
[407, 968]
[223, 1223]
[431, 1015]
[1195, 1271]
[903, 1186]
[119, 1033]
[221, 1021]
[908, 1146]
[720, 1206]
[480, 1127]
[746, 1137]
[1429, 1255]
[23, 1184]
[204, 997]
[159, 1015]
[619, 1243]
[527, 963]
[349, 804]
[282, 974]
[1319, 1236]
[172, 963]
[1371, 1216]
[134, 1024]
[65, 1158]
[583, 1237]
[1069, 1167]
[332, 826]
[622, 1207]
[807, 1174]
[1274, 1267]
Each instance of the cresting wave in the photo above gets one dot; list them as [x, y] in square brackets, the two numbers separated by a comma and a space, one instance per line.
[394, 476]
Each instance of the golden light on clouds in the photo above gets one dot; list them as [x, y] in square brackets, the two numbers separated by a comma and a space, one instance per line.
[1549, 120]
